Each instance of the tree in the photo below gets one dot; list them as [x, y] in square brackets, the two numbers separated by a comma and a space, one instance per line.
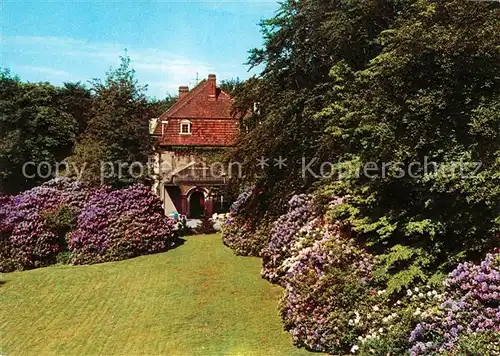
[35, 129]
[160, 106]
[302, 43]
[230, 86]
[431, 94]
[77, 100]
[116, 143]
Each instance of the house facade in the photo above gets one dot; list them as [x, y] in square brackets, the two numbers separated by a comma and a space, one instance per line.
[200, 122]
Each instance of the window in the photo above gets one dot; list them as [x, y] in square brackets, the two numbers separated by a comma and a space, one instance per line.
[185, 127]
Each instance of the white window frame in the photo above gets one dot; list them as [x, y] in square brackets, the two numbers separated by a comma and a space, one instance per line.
[185, 122]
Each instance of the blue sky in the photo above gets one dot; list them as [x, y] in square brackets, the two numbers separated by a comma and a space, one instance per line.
[168, 41]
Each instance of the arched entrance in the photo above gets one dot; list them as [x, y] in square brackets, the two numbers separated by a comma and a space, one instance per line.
[196, 205]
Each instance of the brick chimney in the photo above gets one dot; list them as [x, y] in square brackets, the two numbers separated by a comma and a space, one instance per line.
[212, 85]
[183, 90]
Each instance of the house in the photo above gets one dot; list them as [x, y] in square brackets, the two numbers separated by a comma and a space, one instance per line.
[197, 125]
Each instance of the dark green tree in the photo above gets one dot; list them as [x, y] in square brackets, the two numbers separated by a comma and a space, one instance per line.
[230, 86]
[159, 106]
[301, 45]
[35, 130]
[117, 135]
[431, 95]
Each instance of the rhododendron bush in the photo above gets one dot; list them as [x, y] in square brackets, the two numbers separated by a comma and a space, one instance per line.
[239, 232]
[283, 235]
[119, 224]
[25, 239]
[470, 306]
[125, 222]
[325, 278]
[336, 300]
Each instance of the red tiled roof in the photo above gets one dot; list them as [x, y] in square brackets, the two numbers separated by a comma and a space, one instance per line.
[212, 122]
[204, 132]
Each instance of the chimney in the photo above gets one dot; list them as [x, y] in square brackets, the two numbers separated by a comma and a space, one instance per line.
[212, 86]
[183, 90]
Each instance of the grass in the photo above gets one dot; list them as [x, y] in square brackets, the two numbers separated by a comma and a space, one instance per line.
[198, 299]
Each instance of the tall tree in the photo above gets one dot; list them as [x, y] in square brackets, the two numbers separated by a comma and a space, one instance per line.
[431, 95]
[230, 86]
[302, 43]
[159, 106]
[77, 100]
[117, 136]
[36, 131]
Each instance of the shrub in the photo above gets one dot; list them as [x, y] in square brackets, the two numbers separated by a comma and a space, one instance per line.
[26, 240]
[471, 306]
[183, 229]
[241, 202]
[325, 289]
[241, 233]
[64, 257]
[485, 343]
[283, 234]
[120, 224]
[61, 221]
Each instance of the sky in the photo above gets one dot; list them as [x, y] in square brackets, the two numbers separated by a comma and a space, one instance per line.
[169, 42]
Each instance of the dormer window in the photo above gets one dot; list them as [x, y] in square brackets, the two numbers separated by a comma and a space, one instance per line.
[185, 128]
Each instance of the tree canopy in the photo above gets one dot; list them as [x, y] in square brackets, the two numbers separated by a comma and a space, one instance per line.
[357, 83]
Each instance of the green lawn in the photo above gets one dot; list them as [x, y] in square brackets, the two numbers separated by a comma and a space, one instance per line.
[198, 299]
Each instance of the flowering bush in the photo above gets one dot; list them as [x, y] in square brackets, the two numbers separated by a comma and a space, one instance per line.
[241, 202]
[26, 240]
[240, 233]
[470, 306]
[391, 319]
[120, 224]
[326, 279]
[110, 225]
[283, 235]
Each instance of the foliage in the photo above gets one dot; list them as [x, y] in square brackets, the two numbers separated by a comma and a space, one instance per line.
[244, 237]
[61, 221]
[470, 306]
[120, 224]
[283, 236]
[325, 287]
[429, 101]
[117, 134]
[241, 233]
[160, 106]
[36, 125]
[32, 222]
[183, 229]
[39, 226]
[485, 343]
[301, 44]
[231, 86]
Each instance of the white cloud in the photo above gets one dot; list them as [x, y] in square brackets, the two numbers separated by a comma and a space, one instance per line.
[163, 71]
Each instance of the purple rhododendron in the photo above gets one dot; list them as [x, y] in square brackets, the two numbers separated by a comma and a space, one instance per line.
[471, 305]
[25, 241]
[324, 269]
[283, 234]
[111, 225]
[120, 224]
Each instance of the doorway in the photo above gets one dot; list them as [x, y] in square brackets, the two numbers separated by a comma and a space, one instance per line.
[196, 205]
